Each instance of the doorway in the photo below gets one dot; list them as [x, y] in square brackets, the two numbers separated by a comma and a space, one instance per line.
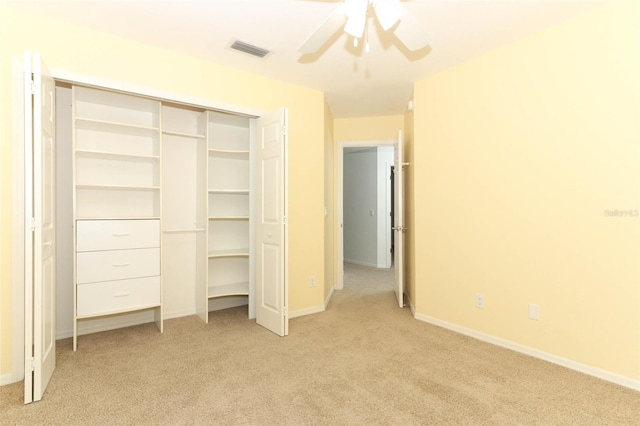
[364, 205]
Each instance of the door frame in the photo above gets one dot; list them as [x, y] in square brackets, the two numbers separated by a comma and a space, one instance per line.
[339, 200]
[63, 76]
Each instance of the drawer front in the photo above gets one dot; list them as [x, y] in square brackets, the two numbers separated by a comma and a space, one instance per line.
[95, 266]
[117, 296]
[116, 234]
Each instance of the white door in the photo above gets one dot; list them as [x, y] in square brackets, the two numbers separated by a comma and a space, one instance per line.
[398, 229]
[271, 223]
[40, 284]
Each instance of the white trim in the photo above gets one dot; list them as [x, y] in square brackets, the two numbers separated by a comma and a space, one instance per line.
[411, 305]
[17, 265]
[306, 311]
[73, 78]
[618, 379]
[339, 208]
[328, 298]
[7, 379]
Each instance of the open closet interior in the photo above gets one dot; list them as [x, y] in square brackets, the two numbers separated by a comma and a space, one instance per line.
[155, 210]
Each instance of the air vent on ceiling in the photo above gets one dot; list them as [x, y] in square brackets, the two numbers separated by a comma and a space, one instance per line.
[249, 48]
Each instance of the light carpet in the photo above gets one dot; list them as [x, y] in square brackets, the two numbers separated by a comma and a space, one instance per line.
[363, 361]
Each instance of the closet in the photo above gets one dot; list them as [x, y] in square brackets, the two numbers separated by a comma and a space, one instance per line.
[164, 210]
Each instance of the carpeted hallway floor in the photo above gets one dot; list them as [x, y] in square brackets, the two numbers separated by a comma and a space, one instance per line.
[363, 361]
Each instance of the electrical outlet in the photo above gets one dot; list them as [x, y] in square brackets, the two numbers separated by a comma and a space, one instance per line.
[312, 281]
[480, 300]
[534, 312]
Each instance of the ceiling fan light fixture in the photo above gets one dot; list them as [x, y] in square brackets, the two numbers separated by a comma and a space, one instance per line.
[387, 12]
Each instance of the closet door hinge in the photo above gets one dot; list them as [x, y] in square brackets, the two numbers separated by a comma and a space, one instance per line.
[34, 224]
[32, 84]
[284, 220]
[32, 364]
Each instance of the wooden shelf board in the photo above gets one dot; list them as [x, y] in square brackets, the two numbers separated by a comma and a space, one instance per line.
[114, 155]
[241, 252]
[229, 191]
[118, 218]
[228, 217]
[106, 126]
[183, 134]
[120, 311]
[228, 153]
[119, 187]
[236, 289]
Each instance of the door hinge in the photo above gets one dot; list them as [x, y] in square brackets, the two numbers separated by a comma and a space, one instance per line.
[32, 84]
[285, 131]
[284, 220]
[32, 364]
[34, 225]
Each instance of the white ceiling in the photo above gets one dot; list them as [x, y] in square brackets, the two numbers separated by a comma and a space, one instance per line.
[355, 83]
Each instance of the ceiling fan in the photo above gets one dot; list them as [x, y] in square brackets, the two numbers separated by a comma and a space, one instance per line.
[353, 14]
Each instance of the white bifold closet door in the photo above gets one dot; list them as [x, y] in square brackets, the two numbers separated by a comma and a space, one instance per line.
[40, 282]
[271, 223]
[399, 228]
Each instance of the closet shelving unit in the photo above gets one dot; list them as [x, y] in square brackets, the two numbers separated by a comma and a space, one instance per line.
[117, 199]
[163, 208]
[228, 206]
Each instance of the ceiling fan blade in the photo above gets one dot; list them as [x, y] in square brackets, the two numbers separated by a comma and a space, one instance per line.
[387, 12]
[411, 33]
[327, 28]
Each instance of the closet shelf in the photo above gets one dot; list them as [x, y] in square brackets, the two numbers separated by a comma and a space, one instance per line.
[226, 153]
[118, 187]
[236, 289]
[228, 217]
[241, 252]
[229, 191]
[85, 153]
[118, 311]
[183, 134]
[127, 217]
[115, 127]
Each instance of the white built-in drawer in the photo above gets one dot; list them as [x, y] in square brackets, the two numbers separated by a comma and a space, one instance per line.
[117, 296]
[117, 234]
[94, 266]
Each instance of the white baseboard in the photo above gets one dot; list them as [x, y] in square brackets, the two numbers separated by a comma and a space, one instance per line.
[411, 305]
[357, 262]
[306, 311]
[178, 314]
[329, 296]
[618, 379]
[7, 379]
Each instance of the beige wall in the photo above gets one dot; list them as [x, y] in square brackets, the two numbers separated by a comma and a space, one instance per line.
[86, 52]
[329, 200]
[367, 128]
[518, 154]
